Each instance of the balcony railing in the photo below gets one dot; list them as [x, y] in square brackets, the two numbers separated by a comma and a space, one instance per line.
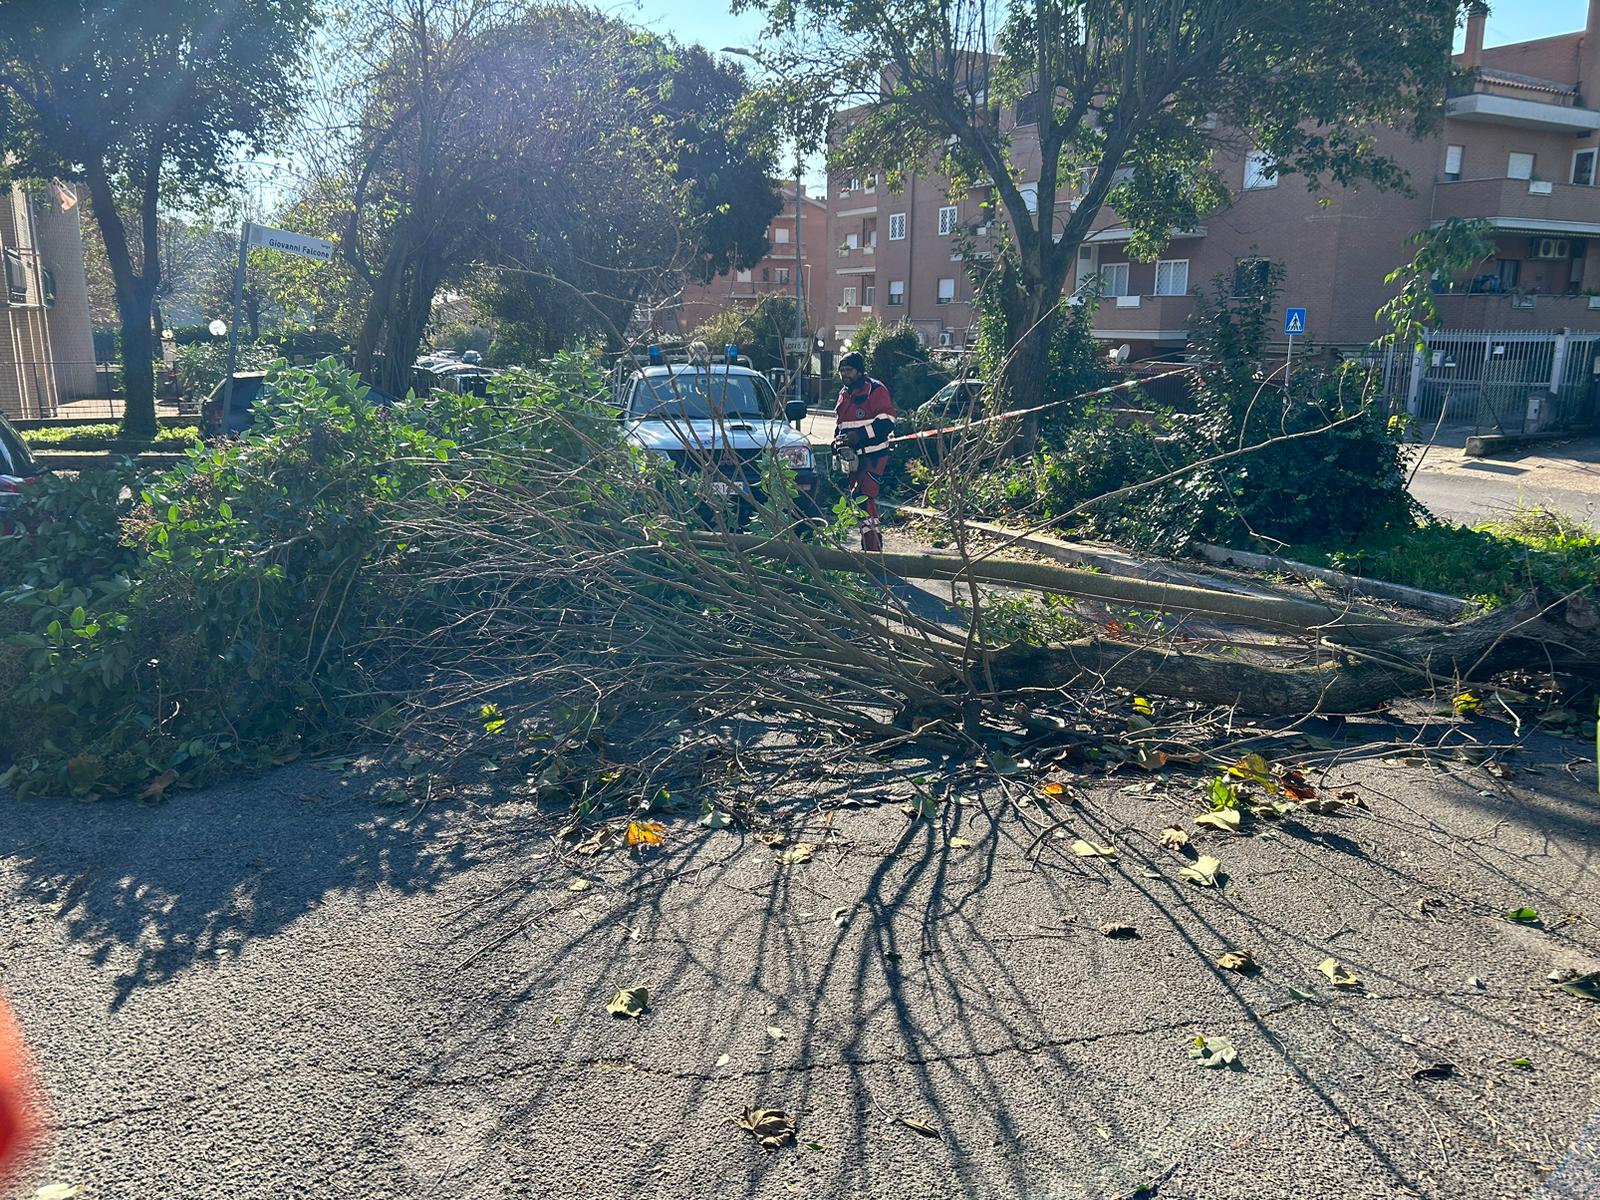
[1167, 315]
[1518, 200]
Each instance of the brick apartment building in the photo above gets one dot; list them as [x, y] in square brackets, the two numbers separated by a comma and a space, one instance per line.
[46, 337]
[1519, 147]
[698, 302]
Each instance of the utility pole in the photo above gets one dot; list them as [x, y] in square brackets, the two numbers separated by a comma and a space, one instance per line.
[233, 327]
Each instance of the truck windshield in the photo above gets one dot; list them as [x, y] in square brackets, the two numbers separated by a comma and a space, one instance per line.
[701, 395]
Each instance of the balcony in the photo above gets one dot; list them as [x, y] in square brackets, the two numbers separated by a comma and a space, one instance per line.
[1531, 206]
[1551, 112]
[1164, 318]
[1511, 312]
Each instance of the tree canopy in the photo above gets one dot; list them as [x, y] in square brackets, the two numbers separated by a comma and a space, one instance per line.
[1127, 103]
[143, 101]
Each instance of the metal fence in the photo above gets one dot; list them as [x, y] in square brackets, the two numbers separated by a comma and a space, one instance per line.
[1498, 381]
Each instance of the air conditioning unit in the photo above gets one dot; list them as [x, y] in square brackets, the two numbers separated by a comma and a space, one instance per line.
[947, 337]
[1549, 248]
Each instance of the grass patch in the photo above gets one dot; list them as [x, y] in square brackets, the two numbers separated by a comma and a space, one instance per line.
[1491, 563]
[109, 437]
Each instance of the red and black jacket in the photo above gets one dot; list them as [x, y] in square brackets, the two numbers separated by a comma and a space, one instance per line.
[865, 417]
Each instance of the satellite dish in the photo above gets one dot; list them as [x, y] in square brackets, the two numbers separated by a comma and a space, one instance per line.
[1122, 353]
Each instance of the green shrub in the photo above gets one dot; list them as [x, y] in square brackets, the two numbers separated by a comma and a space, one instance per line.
[201, 365]
[896, 356]
[103, 437]
[226, 612]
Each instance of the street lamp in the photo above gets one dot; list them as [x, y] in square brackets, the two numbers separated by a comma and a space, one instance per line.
[799, 270]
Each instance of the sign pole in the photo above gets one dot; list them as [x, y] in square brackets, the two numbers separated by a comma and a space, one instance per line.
[1294, 325]
[1288, 366]
[233, 326]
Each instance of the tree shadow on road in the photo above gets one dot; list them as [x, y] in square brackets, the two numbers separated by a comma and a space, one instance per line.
[153, 890]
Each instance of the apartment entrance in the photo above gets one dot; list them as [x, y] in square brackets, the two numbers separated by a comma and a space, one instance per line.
[1494, 381]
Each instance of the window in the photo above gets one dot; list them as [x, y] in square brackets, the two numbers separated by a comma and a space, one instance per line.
[947, 220]
[780, 235]
[872, 183]
[783, 274]
[1114, 279]
[16, 278]
[1452, 163]
[48, 278]
[855, 185]
[1028, 109]
[1519, 166]
[742, 276]
[897, 227]
[869, 232]
[1259, 171]
[766, 274]
[1510, 272]
[869, 294]
[1030, 196]
[1172, 277]
[849, 297]
[897, 293]
[852, 241]
[1251, 276]
[1583, 168]
[947, 291]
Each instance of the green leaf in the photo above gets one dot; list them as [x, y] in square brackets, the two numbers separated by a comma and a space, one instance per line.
[1222, 795]
[1525, 1063]
[1226, 818]
[630, 1003]
[1214, 1052]
[1523, 916]
[225, 511]
[1202, 872]
[715, 818]
[1585, 987]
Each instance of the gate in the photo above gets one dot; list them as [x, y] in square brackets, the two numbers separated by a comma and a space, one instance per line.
[1496, 381]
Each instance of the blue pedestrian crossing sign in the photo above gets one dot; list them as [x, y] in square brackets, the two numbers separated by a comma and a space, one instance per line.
[1294, 322]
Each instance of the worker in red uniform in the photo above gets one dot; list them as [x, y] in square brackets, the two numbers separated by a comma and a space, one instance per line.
[18, 1122]
[864, 423]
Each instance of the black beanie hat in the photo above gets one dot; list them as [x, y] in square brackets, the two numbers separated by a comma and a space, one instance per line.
[854, 359]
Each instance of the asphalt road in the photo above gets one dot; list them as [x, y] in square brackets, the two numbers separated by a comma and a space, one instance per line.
[1484, 491]
[285, 988]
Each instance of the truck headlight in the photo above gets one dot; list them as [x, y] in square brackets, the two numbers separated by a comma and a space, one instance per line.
[797, 457]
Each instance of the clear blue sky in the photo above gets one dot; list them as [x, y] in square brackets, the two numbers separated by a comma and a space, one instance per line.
[1525, 20]
[710, 23]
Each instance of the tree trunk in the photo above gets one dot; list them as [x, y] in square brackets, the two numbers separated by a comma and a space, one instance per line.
[1377, 660]
[1563, 638]
[138, 365]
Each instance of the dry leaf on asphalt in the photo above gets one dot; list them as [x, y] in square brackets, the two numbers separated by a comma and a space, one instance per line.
[1213, 1052]
[1116, 929]
[715, 818]
[960, 843]
[922, 1127]
[1054, 790]
[58, 1191]
[157, 787]
[1338, 973]
[645, 833]
[1438, 1070]
[629, 1002]
[1203, 871]
[594, 843]
[841, 916]
[1150, 760]
[772, 1127]
[799, 853]
[1085, 849]
[1427, 904]
[1174, 838]
[579, 885]
[1226, 818]
[1236, 960]
[776, 1033]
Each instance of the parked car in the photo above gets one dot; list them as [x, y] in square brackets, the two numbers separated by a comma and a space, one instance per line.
[449, 375]
[721, 417]
[249, 388]
[18, 470]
